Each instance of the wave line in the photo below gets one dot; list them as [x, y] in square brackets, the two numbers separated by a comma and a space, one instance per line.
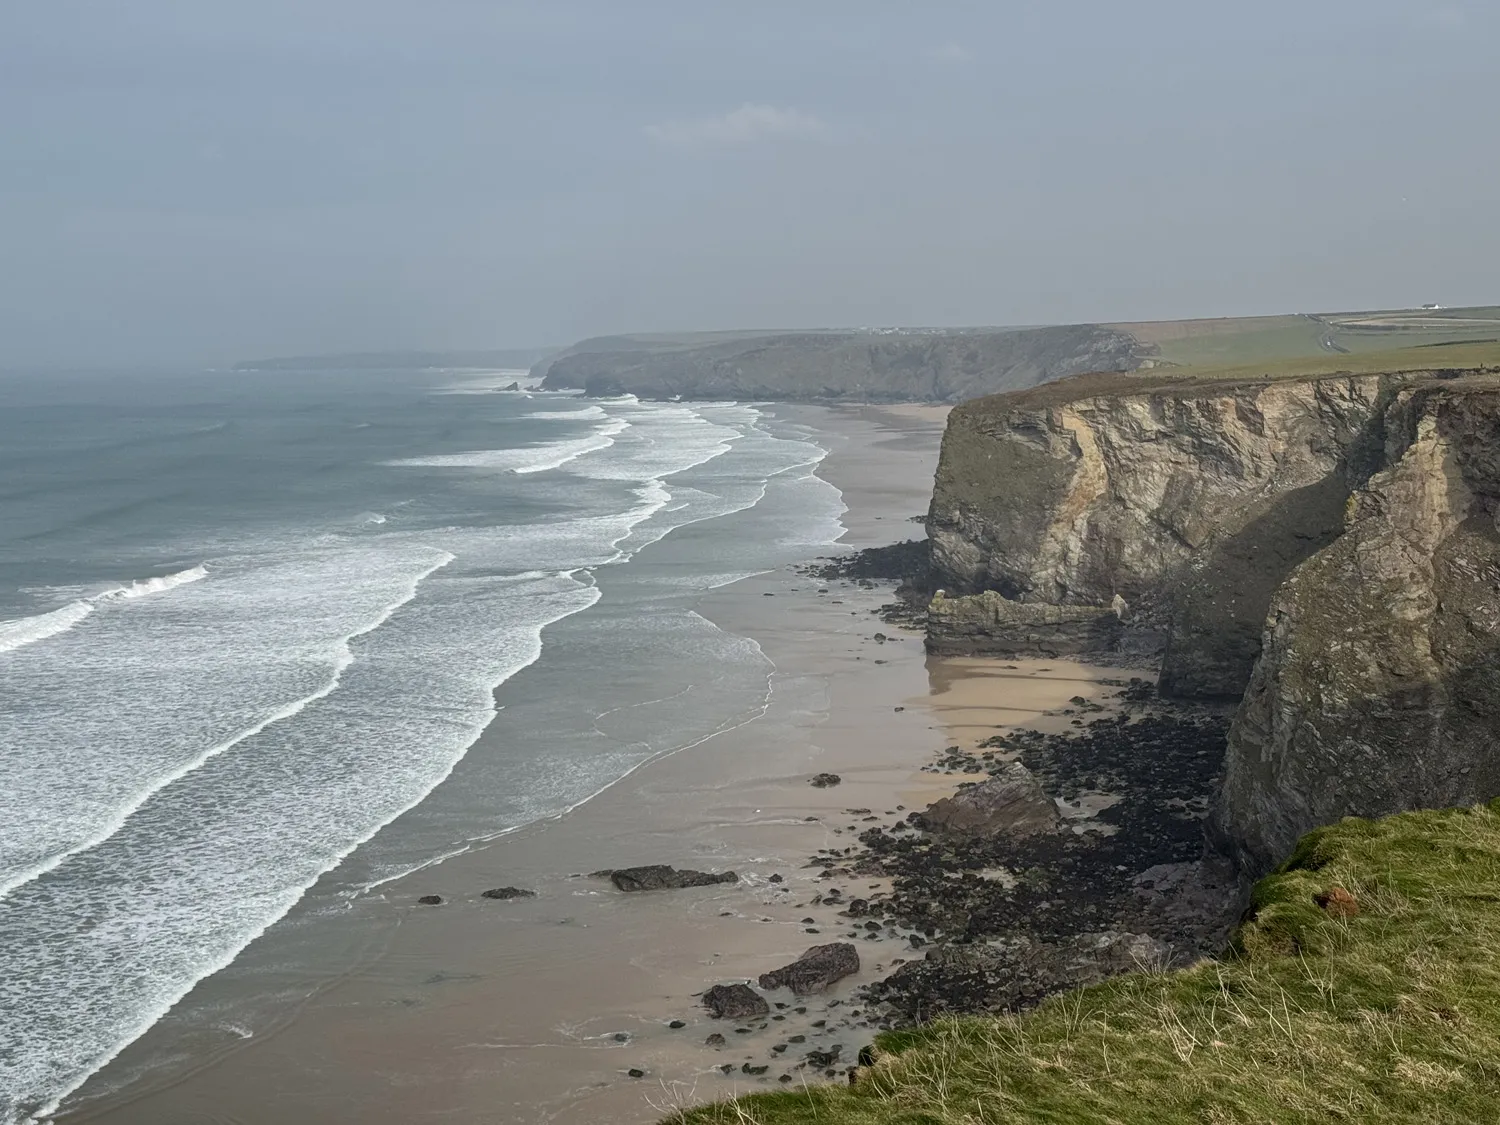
[342, 660]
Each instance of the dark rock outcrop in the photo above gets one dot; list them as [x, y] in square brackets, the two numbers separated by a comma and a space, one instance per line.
[735, 1002]
[506, 893]
[938, 365]
[1013, 973]
[660, 877]
[815, 970]
[1011, 803]
[1378, 689]
[430, 900]
[824, 780]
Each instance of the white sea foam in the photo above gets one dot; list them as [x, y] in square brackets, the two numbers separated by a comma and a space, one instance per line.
[109, 823]
[171, 885]
[663, 441]
[526, 459]
[143, 586]
[29, 630]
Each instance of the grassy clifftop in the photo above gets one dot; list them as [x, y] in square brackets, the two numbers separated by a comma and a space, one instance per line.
[1364, 988]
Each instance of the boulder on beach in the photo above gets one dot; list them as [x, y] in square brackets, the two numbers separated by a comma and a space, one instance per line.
[735, 1002]
[815, 970]
[1009, 804]
[660, 877]
[824, 780]
[431, 900]
[507, 893]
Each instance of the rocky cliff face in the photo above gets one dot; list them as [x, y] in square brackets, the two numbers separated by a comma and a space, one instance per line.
[1379, 687]
[1330, 542]
[1189, 502]
[987, 624]
[855, 366]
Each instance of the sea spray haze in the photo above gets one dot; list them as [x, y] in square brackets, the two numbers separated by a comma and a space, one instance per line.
[249, 625]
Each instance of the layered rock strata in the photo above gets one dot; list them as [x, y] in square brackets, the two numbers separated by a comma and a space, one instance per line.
[1189, 502]
[987, 624]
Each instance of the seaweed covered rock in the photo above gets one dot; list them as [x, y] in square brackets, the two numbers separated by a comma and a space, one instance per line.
[1011, 803]
[815, 970]
[1011, 973]
[734, 1002]
[660, 877]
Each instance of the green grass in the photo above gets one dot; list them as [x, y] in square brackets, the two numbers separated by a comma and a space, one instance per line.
[1230, 342]
[1392, 1015]
[1481, 358]
[1235, 341]
[1431, 357]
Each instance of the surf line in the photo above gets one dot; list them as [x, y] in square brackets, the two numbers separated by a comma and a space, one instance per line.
[122, 814]
[28, 630]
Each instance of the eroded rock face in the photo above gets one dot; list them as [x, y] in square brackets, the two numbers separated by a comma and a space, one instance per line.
[1379, 686]
[1009, 804]
[1189, 501]
[987, 624]
[815, 970]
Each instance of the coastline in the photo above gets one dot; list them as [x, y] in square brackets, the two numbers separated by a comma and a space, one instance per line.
[514, 1011]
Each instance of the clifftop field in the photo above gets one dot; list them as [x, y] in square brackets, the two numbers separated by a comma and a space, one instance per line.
[1365, 987]
[1232, 341]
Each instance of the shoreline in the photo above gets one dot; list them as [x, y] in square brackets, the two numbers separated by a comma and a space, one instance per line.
[514, 1011]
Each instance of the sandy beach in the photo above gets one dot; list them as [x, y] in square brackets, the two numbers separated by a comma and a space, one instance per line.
[537, 1010]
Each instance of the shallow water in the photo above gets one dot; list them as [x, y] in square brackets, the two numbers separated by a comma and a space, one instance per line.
[251, 626]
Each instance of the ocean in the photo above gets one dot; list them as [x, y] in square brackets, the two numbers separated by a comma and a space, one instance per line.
[252, 626]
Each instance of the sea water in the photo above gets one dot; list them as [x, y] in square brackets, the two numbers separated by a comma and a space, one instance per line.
[252, 626]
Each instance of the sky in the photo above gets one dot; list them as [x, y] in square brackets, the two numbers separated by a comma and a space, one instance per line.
[199, 181]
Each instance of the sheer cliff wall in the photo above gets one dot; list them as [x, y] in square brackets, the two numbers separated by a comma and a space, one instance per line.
[1378, 689]
[1326, 547]
[1191, 504]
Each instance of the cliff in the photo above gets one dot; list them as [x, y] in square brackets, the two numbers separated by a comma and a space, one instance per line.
[1379, 686]
[1328, 541]
[897, 366]
[1190, 501]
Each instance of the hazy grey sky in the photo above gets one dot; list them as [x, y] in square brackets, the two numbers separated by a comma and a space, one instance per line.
[186, 180]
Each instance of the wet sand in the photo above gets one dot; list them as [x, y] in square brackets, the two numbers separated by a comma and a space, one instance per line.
[536, 1010]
